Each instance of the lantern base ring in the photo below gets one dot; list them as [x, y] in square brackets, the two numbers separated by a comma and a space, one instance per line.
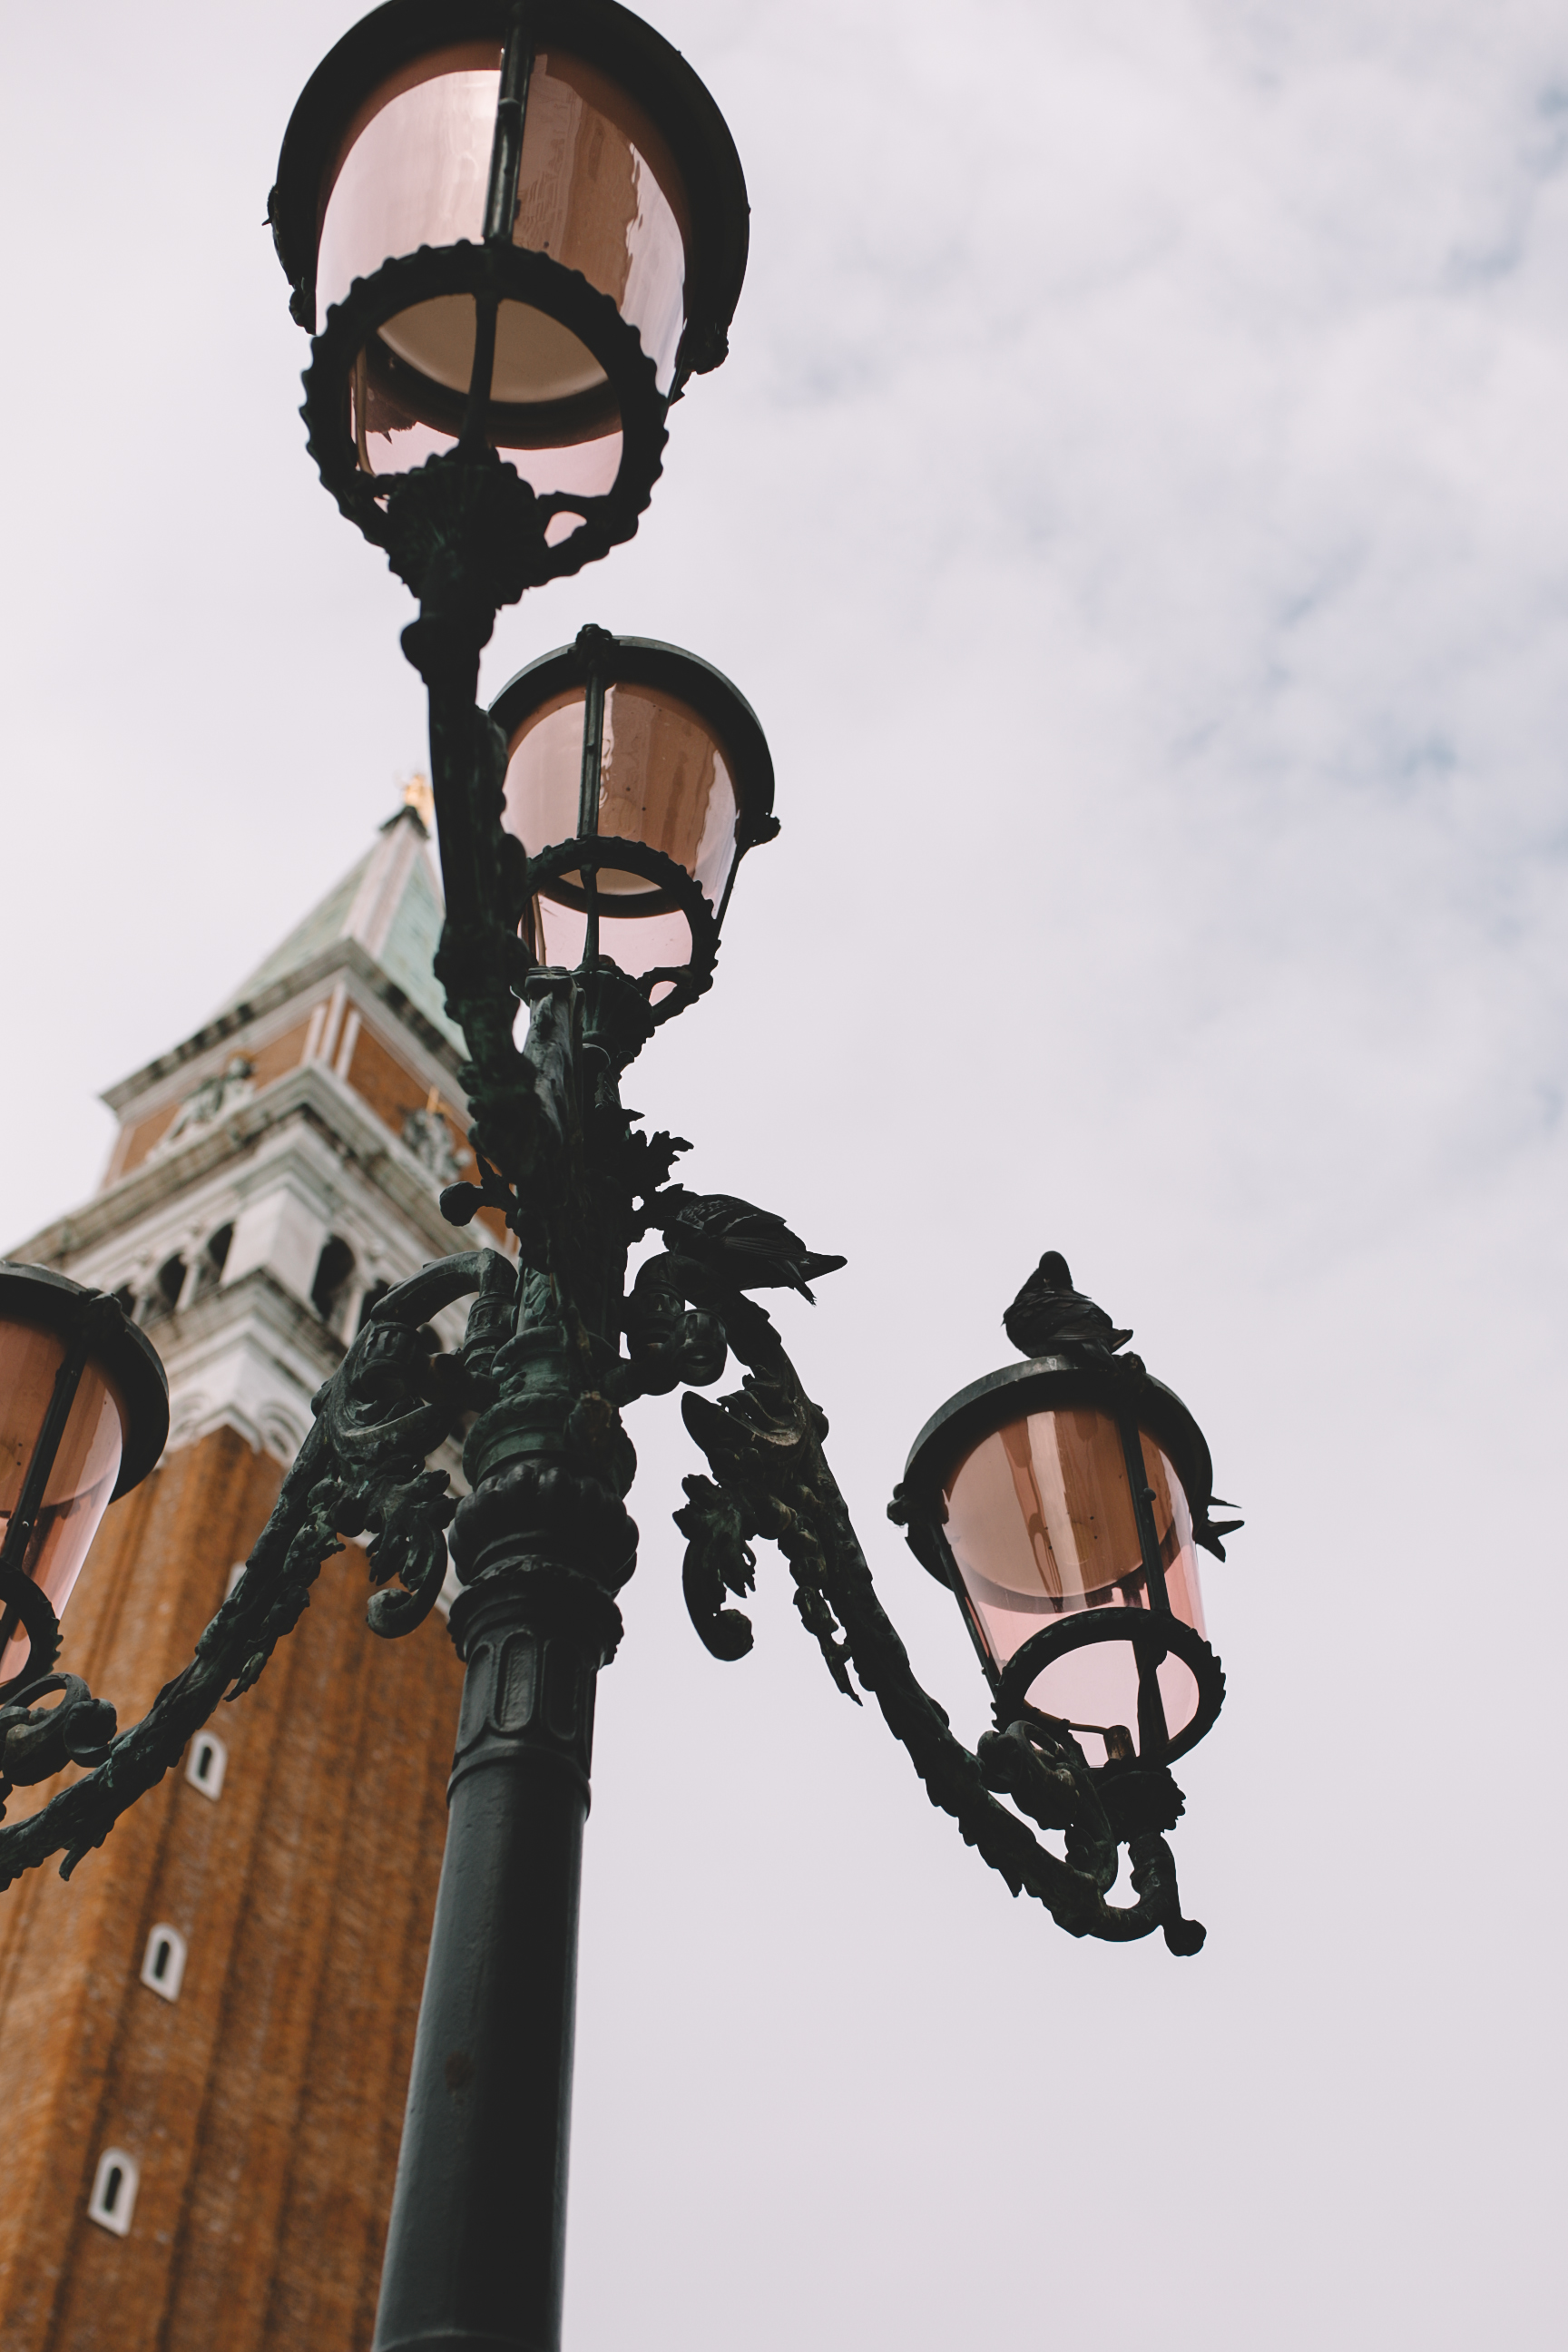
[32, 1605]
[501, 274]
[674, 888]
[1147, 1629]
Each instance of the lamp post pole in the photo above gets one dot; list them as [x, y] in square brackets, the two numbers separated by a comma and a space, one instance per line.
[476, 2247]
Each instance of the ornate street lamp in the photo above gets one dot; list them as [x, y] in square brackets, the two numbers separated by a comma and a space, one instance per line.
[521, 229]
[530, 226]
[1062, 1501]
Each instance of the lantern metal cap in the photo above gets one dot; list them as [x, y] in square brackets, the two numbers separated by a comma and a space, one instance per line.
[603, 35]
[1119, 1384]
[36, 1294]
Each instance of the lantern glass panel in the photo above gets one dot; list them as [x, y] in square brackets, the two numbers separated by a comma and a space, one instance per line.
[84, 1471]
[664, 780]
[1040, 1519]
[398, 419]
[413, 167]
[650, 943]
[598, 191]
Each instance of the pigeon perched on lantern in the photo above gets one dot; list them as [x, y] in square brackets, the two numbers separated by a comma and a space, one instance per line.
[1049, 1313]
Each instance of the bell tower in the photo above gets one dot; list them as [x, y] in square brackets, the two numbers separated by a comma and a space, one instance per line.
[205, 2037]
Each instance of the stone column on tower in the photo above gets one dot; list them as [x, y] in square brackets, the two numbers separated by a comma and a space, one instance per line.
[204, 2036]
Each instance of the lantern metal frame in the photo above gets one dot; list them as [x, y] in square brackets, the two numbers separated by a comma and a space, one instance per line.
[390, 512]
[596, 661]
[1120, 1387]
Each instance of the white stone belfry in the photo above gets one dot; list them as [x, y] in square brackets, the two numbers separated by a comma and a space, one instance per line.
[278, 1170]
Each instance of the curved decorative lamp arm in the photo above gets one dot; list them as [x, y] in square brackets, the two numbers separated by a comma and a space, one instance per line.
[764, 1447]
[363, 1467]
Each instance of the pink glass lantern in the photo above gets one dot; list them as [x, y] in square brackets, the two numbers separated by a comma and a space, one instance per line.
[522, 228]
[1063, 1501]
[84, 1412]
[1043, 1527]
[636, 778]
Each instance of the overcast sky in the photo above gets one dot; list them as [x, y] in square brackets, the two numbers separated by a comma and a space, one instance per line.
[1135, 505]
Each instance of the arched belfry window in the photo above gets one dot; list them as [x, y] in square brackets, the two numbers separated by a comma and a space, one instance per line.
[211, 1263]
[334, 1271]
[114, 2186]
[163, 1962]
[165, 1295]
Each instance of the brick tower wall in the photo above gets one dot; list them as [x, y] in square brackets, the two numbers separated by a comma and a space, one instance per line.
[263, 2106]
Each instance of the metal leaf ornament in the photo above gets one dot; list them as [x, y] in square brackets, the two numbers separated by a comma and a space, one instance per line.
[719, 1560]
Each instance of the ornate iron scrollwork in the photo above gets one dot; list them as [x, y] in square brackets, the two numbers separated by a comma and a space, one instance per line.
[542, 1366]
[362, 1473]
[764, 1447]
[542, 1375]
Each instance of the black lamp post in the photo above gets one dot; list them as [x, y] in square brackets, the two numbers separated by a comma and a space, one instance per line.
[636, 777]
[531, 225]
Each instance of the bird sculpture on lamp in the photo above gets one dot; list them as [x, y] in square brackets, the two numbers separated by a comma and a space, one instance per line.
[749, 1248]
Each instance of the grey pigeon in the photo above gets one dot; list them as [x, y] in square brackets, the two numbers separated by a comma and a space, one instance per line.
[1048, 1314]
